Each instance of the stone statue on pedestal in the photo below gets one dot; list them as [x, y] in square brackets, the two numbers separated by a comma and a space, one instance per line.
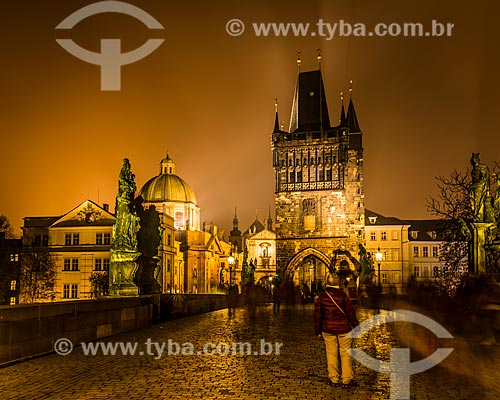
[149, 241]
[482, 237]
[124, 252]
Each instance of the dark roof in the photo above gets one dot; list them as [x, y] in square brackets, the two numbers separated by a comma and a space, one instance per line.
[382, 219]
[426, 229]
[309, 109]
[259, 227]
[39, 222]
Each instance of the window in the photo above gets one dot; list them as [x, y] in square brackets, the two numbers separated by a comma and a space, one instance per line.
[74, 291]
[66, 291]
[38, 240]
[74, 264]
[394, 235]
[425, 251]
[12, 301]
[435, 251]
[45, 240]
[384, 278]
[292, 177]
[105, 264]
[415, 251]
[169, 265]
[98, 238]
[14, 257]
[98, 264]
[414, 234]
[435, 271]
[72, 239]
[169, 239]
[178, 220]
[425, 273]
[373, 236]
[383, 235]
[13, 285]
[416, 271]
[67, 264]
[107, 238]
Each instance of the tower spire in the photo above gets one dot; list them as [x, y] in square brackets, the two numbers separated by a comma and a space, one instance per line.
[235, 220]
[352, 119]
[269, 221]
[276, 118]
[342, 119]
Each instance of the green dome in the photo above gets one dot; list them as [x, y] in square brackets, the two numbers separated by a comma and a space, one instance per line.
[167, 187]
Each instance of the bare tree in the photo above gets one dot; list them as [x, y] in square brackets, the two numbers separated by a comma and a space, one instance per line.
[453, 206]
[6, 227]
[38, 274]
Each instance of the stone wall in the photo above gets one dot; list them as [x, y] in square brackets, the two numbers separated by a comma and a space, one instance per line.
[30, 330]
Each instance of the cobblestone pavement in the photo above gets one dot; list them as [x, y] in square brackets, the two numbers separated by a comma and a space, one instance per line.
[298, 372]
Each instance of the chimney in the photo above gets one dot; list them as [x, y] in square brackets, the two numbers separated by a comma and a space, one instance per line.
[106, 207]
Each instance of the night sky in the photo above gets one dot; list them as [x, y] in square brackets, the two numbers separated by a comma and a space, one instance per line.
[424, 104]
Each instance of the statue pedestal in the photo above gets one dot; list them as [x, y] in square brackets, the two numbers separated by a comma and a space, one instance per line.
[477, 254]
[122, 271]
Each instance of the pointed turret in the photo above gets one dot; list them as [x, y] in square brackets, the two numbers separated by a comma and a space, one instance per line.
[269, 221]
[276, 119]
[352, 119]
[235, 235]
[342, 119]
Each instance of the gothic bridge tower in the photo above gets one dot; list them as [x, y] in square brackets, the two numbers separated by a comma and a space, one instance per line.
[319, 192]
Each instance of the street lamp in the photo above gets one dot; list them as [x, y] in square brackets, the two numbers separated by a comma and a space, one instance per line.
[379, 256]
[230, 260]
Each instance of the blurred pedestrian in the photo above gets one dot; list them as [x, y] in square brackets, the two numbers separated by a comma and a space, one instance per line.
[334, 317]
[277, 297]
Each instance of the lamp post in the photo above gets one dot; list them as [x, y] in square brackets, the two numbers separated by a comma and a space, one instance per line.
[230, 261]
[379, 257]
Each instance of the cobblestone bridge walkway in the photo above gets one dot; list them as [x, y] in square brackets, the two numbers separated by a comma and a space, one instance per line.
[297, 372]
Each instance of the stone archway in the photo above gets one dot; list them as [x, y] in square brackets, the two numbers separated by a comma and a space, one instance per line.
[299, 258]
[306, 272]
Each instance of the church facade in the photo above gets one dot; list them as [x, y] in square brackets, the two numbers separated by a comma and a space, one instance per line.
[194, 258]
[319, 186]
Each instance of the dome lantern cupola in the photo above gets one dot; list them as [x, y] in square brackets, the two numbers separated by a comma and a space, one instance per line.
[167, 166]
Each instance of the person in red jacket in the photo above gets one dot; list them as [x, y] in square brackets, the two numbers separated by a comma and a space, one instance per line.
[334, 317]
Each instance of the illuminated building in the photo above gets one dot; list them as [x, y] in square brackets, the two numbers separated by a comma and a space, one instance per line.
[204, 253]
[10, 270]
[79, 242]
[319, 192]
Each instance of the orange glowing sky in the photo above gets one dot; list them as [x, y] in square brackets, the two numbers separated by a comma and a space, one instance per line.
[424, 104]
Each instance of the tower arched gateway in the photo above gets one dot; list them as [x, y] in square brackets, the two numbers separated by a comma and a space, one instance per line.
[310, 267]
[319, 192]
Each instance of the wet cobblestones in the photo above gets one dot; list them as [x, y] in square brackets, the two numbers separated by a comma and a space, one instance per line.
[298, 372]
